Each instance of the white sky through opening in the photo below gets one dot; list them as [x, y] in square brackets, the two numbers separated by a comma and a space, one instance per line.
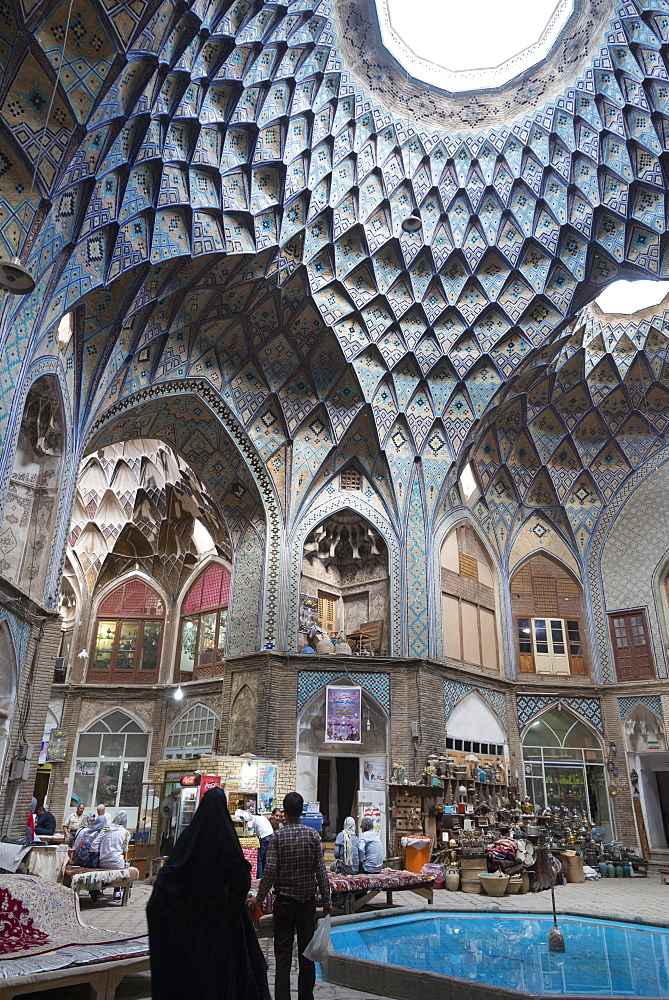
[465, 36]
[630, 296]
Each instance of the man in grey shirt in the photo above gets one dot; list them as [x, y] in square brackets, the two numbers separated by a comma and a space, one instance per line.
[371, 851]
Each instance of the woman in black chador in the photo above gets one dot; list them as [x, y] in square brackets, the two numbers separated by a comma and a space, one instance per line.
[203, 944]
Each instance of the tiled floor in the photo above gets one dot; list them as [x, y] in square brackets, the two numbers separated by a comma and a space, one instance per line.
[627, 898]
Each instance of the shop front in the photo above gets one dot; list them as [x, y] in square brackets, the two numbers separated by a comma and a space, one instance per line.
[565, 768]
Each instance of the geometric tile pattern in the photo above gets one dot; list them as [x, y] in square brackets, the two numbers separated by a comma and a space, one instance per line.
[417, 625]
[455, 691]
[651, 701]
[311, 681]
[531, 705]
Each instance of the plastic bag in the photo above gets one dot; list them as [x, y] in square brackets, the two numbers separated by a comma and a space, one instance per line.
[437, 871]
[319, 947]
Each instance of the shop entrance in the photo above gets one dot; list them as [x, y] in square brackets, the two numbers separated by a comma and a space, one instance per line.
[338, 782]
[663, 791]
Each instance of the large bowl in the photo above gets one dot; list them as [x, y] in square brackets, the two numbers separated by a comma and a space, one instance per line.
[494, 885]
[515, 885]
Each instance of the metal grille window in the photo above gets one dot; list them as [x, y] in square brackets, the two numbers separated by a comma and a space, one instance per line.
[192, 733]
[351, 480]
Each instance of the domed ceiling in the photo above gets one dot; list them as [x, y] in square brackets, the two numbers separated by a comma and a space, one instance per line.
[219, 192]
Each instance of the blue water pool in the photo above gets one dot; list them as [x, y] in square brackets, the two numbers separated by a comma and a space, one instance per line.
[603, 958]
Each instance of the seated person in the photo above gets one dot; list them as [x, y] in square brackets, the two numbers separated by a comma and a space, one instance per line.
[46, 823]
[113, 842]
[346, 849]
[371, 850]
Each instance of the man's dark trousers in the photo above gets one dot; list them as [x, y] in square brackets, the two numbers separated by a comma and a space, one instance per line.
[290, 917]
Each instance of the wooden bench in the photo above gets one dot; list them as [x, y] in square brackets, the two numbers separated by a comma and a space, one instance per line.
[97, 879]
[45, 945]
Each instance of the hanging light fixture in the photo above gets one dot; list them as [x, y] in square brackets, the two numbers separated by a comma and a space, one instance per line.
[16, 278]
[412, 223]
[178, 694]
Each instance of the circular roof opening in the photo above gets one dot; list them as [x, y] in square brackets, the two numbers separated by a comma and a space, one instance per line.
[476, 46]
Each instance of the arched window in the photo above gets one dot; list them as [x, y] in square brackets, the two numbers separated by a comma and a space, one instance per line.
[109, 764]
[204, 620]
[192, 733]
[547, 606]
[564, 766]
[128, 636]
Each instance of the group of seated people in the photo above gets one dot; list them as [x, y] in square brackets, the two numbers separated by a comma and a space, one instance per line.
[102, 844]
[355, 854]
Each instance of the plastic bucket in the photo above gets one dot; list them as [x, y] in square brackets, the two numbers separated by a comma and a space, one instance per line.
[419, 855]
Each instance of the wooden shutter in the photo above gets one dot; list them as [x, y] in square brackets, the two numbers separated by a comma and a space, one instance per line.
[327, 612]
[631, 646]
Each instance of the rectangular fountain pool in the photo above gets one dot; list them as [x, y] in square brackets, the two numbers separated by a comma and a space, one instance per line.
[603, 958]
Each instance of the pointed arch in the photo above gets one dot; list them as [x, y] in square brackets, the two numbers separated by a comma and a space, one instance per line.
[192, 733]
[319, 512]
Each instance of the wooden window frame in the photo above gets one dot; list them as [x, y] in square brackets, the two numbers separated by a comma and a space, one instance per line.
[626, 615]
[525, 640]
[113, 674]
[323, 595]
[217, 667]
[479, 607]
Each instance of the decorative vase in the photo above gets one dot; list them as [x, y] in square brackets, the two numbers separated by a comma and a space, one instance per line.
[626, 869]
[619, 871]
[611, 869]
[452, 878]
[324, 647]
[603, 871]
[525, 882]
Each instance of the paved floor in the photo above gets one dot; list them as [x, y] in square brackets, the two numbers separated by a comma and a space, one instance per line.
[627, 898]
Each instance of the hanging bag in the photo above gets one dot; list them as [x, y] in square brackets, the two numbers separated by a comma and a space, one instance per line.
[320, 947]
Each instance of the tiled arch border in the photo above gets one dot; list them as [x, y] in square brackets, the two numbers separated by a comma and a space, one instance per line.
[532, 705]
[651, 701]
[309, 682]
[316, 514]
[39, 369]
[205, 392]
[456, 691]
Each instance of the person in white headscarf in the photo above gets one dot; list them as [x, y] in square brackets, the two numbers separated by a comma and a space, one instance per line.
[113, 842]
[346, 849]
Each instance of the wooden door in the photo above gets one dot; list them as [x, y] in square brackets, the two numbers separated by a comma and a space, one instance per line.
[631, 646]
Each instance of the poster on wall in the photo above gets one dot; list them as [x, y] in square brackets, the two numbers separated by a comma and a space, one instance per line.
[374, 804]
[57, 748]
[85, 767]
[308, 615]
[374, 774]
[249, 780]
[267, 777]
[343, 714]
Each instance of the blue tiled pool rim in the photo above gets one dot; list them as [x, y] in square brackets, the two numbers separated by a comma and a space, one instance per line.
[505, 950]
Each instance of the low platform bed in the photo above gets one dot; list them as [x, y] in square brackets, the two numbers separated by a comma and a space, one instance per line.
[352, 892]
[44, 944]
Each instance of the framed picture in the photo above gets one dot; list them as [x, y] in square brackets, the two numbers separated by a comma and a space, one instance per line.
[343, 711]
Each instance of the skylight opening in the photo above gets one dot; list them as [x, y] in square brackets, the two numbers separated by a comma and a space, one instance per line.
[203, 540]
[460, 47]
[467, 481]
[65, 330]
[627, 297]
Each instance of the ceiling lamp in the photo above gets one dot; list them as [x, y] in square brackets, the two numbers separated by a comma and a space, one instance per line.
[15, 278]
[412, 222]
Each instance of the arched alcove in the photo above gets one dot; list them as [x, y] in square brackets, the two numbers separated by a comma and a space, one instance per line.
[548, 617]
[646, 743]
[333, 773]
[203, 625]
[473, 718]
[344, 581]
[7, 688]
[30, 509]
[644, 731]
[127, 642]
[468, 599]
[243, 717]
[564, 766]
